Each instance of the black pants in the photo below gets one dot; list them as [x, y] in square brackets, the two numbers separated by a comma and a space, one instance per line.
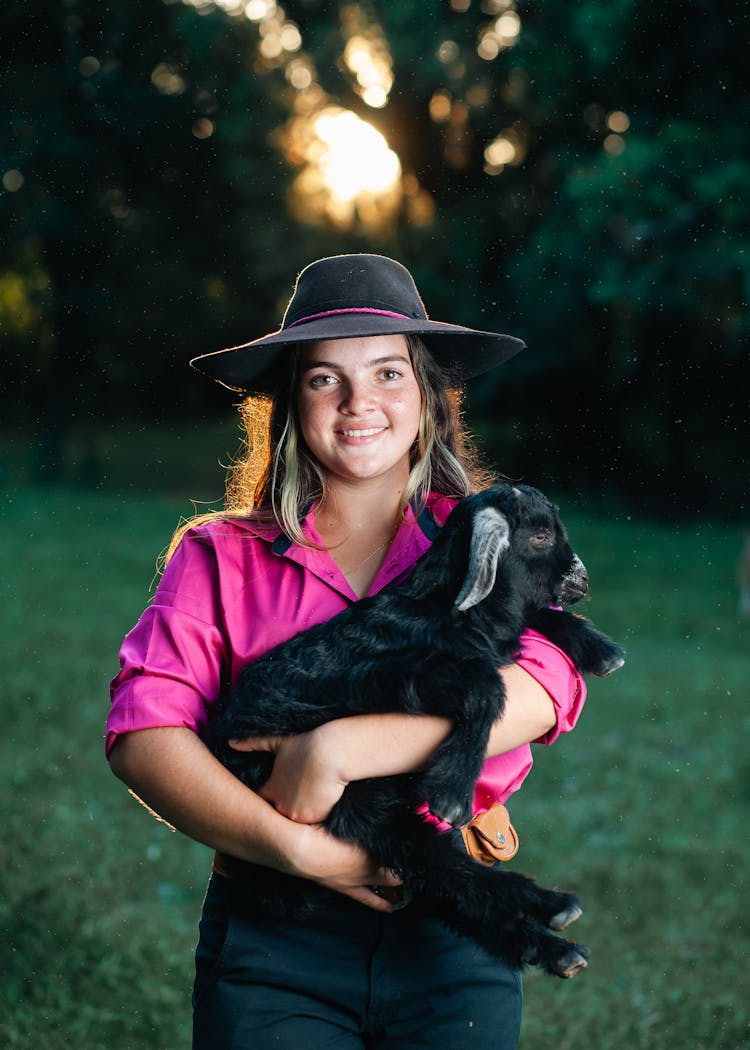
[346, 978]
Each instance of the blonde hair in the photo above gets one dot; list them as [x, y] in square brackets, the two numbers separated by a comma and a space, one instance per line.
[275, 478]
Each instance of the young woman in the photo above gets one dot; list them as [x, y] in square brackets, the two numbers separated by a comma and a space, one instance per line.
[362, 459]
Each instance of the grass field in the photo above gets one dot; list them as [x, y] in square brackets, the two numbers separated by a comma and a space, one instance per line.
[644, 809]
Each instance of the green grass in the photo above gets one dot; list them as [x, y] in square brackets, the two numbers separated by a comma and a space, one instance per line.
[643, 809]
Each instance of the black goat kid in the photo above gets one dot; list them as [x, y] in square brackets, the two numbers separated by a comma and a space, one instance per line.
[432, 645]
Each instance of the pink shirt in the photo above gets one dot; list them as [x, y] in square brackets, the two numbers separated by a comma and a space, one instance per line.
[234, 589]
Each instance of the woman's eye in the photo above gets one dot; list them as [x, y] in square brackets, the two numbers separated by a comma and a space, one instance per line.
[390, 374]
[322, 380]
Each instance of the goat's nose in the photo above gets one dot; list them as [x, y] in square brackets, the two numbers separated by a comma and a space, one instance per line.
[575, 582]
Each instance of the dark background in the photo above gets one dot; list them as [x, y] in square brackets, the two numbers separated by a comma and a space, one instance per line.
[146, 217]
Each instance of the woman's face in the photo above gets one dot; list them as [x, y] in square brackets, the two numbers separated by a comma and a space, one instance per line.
[359, 406]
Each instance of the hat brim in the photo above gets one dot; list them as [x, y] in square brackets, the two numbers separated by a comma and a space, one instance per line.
[256, 367]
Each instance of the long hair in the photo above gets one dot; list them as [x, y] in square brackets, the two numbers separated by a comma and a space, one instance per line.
[275, 477]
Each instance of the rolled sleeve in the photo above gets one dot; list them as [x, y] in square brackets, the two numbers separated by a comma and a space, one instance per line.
[173, 661]
[557, 674]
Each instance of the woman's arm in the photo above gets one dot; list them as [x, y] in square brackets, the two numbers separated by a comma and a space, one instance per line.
[172, 771]
[529, 712]
[312, 769]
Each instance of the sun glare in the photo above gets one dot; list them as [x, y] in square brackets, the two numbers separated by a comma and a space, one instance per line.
[357, 158]
[348, 171]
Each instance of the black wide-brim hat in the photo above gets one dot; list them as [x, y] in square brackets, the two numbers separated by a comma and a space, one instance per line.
[348, 296]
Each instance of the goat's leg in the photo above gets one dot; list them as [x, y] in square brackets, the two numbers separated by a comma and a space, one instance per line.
[533, 944]
[590, 650]
[473, 697]
[507, 913]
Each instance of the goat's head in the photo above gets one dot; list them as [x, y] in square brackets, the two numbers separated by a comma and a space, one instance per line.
[518, 529]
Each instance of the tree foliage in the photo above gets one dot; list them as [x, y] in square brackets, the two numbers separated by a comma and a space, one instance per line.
[146, 181]
[637, 273]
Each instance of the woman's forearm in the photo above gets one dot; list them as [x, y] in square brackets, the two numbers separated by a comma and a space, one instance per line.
[529, 712]
[175, 775]
[311, 770]
[382, 745]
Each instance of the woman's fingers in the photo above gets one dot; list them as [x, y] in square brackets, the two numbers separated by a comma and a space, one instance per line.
[385, 893]
[366, 895]
[343, 867]
[255, 743]
[303, 784]
[382, 891]
[386, 877]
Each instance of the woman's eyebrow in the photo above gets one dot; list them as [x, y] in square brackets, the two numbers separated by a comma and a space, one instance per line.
[319, 364]
[389, 359]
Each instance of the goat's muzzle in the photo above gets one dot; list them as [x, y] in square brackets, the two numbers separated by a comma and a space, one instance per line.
[575, 583]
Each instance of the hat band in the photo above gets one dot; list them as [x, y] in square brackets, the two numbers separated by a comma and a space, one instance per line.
[349, 310]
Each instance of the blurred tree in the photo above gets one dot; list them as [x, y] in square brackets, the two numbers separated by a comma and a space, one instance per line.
[572, 173]
[633, 283]
[122, 223]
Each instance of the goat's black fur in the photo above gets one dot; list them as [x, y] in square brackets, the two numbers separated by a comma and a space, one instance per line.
[432, 645]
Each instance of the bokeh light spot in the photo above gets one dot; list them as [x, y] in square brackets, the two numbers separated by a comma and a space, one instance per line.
[13, 180]
[614, 145]
[618, 121]
[203, 128]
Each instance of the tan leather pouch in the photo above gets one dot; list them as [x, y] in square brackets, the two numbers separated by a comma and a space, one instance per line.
[490, 836]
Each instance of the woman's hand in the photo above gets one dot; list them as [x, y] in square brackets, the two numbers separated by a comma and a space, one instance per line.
[312, 769]
[340, 866]
[305, 782]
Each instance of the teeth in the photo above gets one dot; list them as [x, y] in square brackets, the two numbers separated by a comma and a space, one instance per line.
[362, 433]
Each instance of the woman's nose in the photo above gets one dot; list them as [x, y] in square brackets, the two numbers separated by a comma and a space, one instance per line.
[357, 398]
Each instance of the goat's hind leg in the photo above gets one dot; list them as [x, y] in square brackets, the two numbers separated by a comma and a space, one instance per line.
[511, 916]
[536, 946]
[508, 914]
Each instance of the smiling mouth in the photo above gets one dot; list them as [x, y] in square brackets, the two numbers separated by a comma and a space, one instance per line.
[369, 432]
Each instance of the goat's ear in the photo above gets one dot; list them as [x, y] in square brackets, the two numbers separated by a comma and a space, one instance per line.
[490, 537]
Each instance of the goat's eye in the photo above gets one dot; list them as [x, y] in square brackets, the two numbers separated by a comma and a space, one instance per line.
[541, 538]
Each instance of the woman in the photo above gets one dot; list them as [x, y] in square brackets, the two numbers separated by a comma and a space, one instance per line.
[364, 460]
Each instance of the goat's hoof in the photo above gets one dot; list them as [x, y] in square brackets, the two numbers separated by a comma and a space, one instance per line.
[453, 806]
[570, 964]
[563, 919]
[455, 813]
[608, 666]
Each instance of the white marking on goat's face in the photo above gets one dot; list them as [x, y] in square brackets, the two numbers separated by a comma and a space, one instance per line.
[575, 582]
[490, 538]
